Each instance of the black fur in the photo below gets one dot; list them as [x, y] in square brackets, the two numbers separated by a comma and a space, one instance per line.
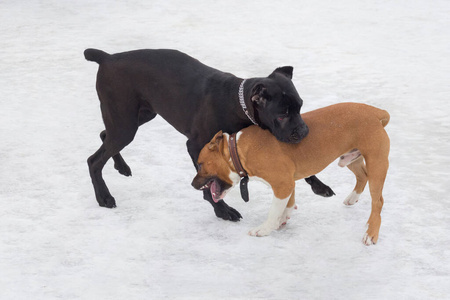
[133, 87]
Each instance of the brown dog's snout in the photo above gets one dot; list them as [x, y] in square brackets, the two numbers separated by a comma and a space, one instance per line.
[195, 182]
[199, 182]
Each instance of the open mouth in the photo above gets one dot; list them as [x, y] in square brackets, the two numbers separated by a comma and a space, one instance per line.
[215, 189]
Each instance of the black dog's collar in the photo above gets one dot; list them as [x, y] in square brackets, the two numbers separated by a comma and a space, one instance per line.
[242, 102]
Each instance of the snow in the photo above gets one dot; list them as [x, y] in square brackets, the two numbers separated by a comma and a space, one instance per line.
[163, 241]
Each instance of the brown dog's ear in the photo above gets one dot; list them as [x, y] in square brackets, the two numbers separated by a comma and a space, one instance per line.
[286, 71]
[259, 95]
[215, 141]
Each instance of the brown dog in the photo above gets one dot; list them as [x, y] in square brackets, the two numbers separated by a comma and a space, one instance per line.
[355, 132]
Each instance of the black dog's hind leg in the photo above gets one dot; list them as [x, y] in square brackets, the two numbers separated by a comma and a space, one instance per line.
[115, 140]
[119, 163]
[118, 134]
[96, 162]
[221, 209]
[319, 187]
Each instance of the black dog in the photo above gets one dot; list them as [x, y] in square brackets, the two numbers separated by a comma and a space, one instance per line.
[133, 87]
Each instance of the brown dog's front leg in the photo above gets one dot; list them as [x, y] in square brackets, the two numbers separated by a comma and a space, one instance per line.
[274, 219]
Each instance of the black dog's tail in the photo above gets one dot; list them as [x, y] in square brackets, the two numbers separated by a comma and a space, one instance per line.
[98, 56]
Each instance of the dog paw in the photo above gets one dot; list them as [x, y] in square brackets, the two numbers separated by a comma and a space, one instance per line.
[352, 198]
[228, 213]
[368, 240]
[108, 202]
[262, 230]
[318, 187]
[287, 215]
[123, 168]
[322, 190]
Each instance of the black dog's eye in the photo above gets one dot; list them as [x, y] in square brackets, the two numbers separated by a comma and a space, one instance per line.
[283, 116]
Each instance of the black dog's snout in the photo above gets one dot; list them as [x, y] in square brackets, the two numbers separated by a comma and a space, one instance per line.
[294, 136]
[299, 133]
[304, 132]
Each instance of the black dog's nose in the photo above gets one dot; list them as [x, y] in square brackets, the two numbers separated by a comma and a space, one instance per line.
[299, 133]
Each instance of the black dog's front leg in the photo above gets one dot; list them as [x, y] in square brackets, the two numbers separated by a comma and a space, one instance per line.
[221, 209]
[318, 187]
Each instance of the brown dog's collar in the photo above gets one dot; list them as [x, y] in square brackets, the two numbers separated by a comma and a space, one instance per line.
[232, 147]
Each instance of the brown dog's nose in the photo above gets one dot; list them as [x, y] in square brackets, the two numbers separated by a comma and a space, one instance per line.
[193, 183]
[196, 182]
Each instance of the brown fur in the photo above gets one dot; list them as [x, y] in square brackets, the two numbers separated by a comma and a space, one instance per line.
[333, 131]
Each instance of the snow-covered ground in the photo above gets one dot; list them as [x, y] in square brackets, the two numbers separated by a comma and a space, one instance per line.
[163, 241]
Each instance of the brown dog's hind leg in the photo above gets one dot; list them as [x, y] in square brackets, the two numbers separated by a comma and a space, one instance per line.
[358, 168]
[376, 172]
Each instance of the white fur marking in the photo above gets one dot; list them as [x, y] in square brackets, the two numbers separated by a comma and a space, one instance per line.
[274, 220]
[367, 240]
[234, 177]
[238, 134]
[352, 198]
[287, 214]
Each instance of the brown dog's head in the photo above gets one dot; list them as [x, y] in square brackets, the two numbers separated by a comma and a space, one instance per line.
[214, 172]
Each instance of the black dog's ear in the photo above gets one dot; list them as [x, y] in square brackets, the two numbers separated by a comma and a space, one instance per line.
[259, 95]
[286, 71]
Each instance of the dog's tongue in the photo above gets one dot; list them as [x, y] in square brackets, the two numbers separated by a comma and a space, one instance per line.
[215, 191]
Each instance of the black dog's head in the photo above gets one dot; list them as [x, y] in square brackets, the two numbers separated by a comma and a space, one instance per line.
[276, 106]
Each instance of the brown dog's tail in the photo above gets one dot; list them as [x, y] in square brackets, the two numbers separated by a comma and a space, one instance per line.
[383, 116]
[95, 55]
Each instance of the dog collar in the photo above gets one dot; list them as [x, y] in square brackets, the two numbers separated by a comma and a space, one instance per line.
[232, 147]
[242, 102]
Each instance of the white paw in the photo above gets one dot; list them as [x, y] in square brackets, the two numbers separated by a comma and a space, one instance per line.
[367, 240]
[262, 230]
[352, 198]
[287, 214]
